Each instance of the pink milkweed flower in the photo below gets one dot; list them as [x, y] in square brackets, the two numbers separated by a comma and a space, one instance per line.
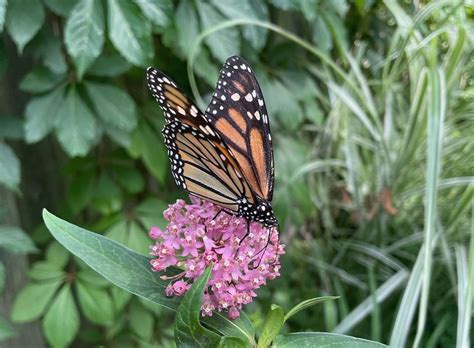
[194, 240]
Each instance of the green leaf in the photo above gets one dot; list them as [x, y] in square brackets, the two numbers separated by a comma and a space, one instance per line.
[322, 340]
[60, 7]
[321, 34]
[130, 32]
[50, 49]
[308, 303]
[24, 20]
[88, 276]
[141, 321]
[120, 298]
[81, 190]
[14, 240]
[6, 329]
[157, 11]
[223, 43]
[84, 33]
[130, 178]
[114, 106]
[41, 115]
[61, 323]
[271, 328]
[187, 24]
[109, 66]
[76, 126]
[107, 196]
[3, 11]
[2, 277]
[10, 168]
[188, 331]
[57, 255]
[96, 304]
[233, 342]
[45, 271]
[40, 80]
[12, 128]
[32, 300]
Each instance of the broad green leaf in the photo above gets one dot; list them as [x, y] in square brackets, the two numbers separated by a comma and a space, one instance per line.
[61, 7]
[109, 66]
[61, 323]
[89, 277]
[57, 255]
[321, 34]
[6, 329]
[241, 327]
[76, 126]
[10, 168]
[96, 304]
[84, 33]
[40, 80]
[308, 303]
[130, 178]
[12, 128]
[41, 115]
[187, 25]
[114, 106]
[157, 11]
[14, 240]
[223, 43]
[81, 190]
[2, 277]
[49, 49]
[107, 196]
[322, 340]
[188, 331]
[141, 321]
[3, 11]
[120, 298]
[130, 32]
[233, 342]
[45, 271]
[32, 300]
[24, 20]
[146, 212]
[273, 324]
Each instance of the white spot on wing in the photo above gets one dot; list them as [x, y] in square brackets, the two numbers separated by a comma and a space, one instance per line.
[235, 96]
[248, 97]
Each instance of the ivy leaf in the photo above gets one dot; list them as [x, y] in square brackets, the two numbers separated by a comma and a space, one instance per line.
[322, 339]
[96, 304]
[9, 168]
[14, 240]
[157, 11]
[188, 331]
[75, 128]
[114, 106]
[61, 7]
[3, 11]
[271, 328]
[223, 43]
[40, 80]
[187, 25]
[24, 20]
[130, 32]
[32, 300]
[61, 323]
[84, 33]
[41, 115]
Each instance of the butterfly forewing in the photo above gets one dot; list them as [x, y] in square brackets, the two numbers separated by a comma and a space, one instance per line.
[238, 113]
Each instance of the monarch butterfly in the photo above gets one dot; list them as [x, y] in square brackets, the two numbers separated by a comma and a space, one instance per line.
[225, 154]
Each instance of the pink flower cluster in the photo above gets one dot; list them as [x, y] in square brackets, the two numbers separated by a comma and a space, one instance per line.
[194, 239]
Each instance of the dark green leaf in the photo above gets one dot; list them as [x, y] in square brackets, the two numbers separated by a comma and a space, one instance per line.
[2, 277]
[9, 168]
[6, 329]
[146, 212]
[81, 190]
[12, 128]
[120, 136]
[3, 11]
[32, 300]
[84, 33]
[61, 7]
[76, 126]
[130, 178]
[322, 340]
[61, 323]
[188, 331]
[96, 304]
[223, 43]
[308, 303]
[109, 66]
[157, 11]
[107, 198]
[241, 327]
[141, 321]
[49, 48]
[14, 240]
[273, 324]
[187, 25]
[24, 19]
[45, 271]
[41, 115]
[114, 106]
[233, 342]
[57, 255]
[130, 32]
[40, 80]
[286, 4]
[120, 298]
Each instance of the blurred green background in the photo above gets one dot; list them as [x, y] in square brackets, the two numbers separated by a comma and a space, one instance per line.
[371, 106]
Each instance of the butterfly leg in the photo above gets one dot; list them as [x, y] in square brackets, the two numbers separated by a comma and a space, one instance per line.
[246, 233]
[263, 249]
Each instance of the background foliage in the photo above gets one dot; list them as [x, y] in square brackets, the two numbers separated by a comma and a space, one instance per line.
[371, 105]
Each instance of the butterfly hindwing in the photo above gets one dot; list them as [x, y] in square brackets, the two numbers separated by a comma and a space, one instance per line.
[239, 116]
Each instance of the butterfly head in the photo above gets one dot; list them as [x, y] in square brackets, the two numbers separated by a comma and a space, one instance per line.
[264, 214]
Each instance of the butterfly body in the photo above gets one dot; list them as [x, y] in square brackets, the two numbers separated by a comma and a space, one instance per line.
[224, 155]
